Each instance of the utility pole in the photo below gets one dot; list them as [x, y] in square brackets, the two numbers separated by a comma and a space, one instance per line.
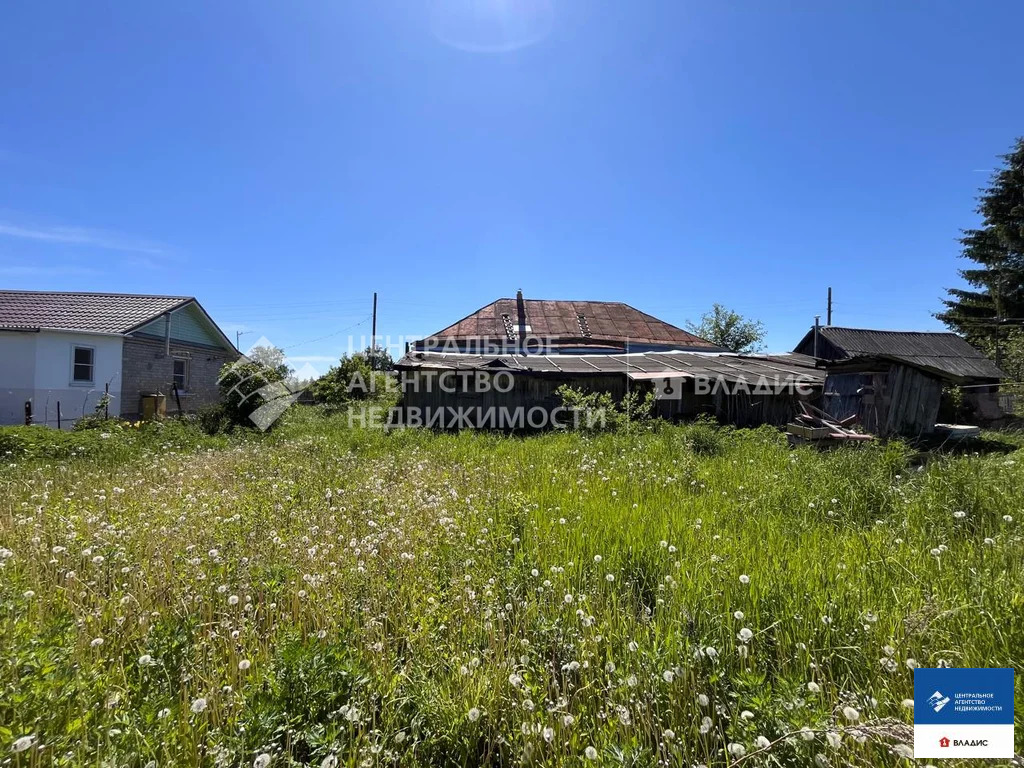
[373, 336]
[828, 315]
[999, 347]
[238, 339]
[373, 333]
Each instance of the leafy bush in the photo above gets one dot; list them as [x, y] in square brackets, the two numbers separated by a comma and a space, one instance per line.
[355, 378]
[245, 385]
[599, 411]
[117, 440]
[215, 419]
[707, 437]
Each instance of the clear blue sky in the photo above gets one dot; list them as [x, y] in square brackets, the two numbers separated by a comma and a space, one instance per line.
[282, 160]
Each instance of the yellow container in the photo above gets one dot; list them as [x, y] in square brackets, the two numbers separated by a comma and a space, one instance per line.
[154, 406]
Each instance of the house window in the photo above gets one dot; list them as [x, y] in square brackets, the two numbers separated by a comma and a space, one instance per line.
[180, 374]
[82, 365]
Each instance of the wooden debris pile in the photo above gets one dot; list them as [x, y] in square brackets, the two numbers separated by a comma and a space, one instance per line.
[812, 426]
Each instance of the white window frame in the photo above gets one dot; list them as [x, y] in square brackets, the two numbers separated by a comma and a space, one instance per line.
[188, 372]
[75, 382]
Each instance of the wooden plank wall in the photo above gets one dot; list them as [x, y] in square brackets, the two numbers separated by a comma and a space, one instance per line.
[744, 410]
[912, 399]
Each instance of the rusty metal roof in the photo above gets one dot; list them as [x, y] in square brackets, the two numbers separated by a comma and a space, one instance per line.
[939, 351]
[89, 312]
[571, 323]
[638, 366]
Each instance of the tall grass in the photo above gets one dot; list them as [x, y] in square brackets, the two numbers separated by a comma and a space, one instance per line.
[682, 597]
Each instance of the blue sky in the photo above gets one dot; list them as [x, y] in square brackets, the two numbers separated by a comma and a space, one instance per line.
[282, 160]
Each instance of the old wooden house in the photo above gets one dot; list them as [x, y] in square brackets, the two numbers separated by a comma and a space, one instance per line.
[507, 360]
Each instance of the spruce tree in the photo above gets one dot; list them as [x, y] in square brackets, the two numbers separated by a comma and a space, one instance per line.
[986, 312]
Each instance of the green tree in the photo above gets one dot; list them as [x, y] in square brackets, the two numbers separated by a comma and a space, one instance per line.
[729, 329]
[245, 385]
[272, 358]
[354, 378]
[379, 358]
[1013, 355]
[986, 311]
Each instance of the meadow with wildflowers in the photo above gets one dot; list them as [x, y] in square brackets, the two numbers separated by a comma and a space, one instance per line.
[335, 596]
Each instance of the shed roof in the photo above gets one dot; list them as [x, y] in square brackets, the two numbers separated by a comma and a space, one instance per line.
[939, 351]
[573, 322]
[637, 366]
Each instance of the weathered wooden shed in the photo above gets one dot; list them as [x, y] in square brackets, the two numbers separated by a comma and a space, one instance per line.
[894, 379]
[890, 397]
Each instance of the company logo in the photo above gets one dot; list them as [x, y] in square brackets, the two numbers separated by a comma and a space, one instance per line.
[963, 713]
[938, 701]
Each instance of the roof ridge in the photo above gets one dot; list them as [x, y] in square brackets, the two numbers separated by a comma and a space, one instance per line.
[100, 293]
[885, 330]
[560, 301]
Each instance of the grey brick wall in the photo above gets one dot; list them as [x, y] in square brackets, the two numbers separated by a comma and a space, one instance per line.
[145, 369]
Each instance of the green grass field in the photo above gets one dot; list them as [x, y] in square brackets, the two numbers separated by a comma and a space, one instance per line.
[332, 596]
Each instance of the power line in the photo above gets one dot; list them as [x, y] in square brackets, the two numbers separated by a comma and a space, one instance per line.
[329, 335]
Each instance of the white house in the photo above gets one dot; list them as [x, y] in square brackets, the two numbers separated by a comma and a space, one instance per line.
[72, 348]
